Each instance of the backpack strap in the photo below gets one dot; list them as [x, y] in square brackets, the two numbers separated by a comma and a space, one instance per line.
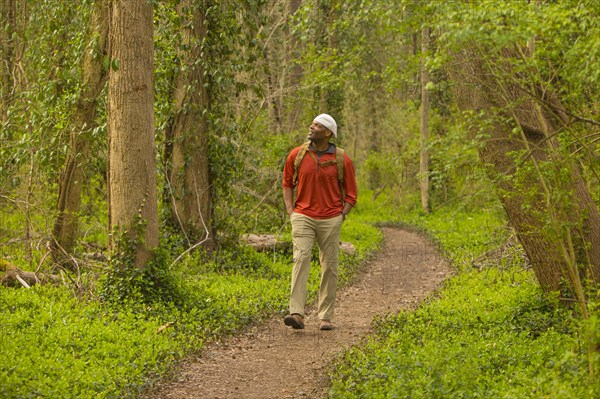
[299, 157]
[339, 158]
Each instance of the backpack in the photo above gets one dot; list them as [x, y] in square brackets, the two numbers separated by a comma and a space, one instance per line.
[339, 160]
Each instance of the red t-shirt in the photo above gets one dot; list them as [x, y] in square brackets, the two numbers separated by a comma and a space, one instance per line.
[318, 193]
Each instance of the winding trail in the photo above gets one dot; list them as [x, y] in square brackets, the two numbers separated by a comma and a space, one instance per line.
[271, 360]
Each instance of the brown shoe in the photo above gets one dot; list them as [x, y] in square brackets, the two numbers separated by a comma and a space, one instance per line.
[295, 321]
[325, 325]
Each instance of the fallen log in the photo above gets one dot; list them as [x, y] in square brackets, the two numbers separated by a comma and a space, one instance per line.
[11, 276]
[270, 242]
[265, 242]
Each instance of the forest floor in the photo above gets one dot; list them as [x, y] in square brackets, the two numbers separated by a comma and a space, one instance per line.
[271, 360]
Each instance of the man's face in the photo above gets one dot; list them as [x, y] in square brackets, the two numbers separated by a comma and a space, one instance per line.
[316, 131]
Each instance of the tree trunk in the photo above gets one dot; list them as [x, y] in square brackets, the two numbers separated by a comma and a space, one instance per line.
[375, 182]
[273, 63]
[8, 28]
[330, 97]
[424, 159]
[72, 177]
[586, 211]
[546, 228]
[189, 173]
[282, 73]
[273, 91]
[132, 179]
[293, 106]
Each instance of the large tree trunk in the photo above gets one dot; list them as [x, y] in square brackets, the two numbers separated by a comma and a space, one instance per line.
[587, 239]
[188, 173]
[72, 177]
[517, 123]
[132, 179]
[424, 142]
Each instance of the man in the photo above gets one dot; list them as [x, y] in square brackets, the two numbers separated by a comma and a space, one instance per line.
[321, 204]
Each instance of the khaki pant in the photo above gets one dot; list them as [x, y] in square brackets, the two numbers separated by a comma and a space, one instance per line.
[327, 233]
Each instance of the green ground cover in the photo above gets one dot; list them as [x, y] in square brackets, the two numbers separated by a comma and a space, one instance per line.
[56, 344]
[489, 333]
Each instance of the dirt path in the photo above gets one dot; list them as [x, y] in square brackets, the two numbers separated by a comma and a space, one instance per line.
[274, 361]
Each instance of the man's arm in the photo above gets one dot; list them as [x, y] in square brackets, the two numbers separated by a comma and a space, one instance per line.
[288, 199]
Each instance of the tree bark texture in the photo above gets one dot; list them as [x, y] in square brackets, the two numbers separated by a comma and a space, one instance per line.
[587, 238]
[293, 106]
[72, 177]
[330, 98]
[189, 173]
[515, 122]
[375, 181]
[132, 178]
[273, 71]
[8, 29]
[424, 153]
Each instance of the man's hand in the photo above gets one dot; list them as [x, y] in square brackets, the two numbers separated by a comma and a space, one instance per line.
[346, 210]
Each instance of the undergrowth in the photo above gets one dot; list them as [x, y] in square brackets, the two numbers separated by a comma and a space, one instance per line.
[133, 328]
[489, 333]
